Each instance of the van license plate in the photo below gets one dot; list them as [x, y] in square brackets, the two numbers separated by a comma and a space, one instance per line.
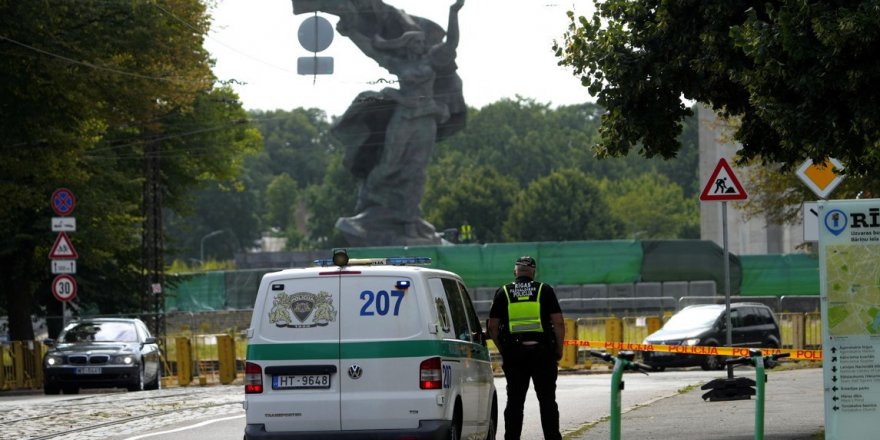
[291, 382]
[88, 370]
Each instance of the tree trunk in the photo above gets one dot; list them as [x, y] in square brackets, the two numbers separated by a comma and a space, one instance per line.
[19, 297]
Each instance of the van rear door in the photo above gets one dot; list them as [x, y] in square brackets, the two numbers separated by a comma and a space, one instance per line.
[297, 346]
[384, 342]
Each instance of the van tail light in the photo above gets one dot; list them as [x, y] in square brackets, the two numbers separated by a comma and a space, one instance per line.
[253, 378]
[431, 374]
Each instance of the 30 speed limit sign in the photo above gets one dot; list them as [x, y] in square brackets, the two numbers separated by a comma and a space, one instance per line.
[64, 288]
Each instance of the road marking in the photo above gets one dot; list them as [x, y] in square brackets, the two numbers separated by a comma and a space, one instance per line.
[197, 425]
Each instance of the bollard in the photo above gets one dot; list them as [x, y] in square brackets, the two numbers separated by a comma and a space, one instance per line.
[653, 323]
[37, 365]
[184, 361]
[798, 331]
[226, 357]
[3, 356]
[613, 332]
[18, 364]
[569, 352]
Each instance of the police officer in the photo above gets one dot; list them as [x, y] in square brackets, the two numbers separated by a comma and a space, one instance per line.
[526, 324]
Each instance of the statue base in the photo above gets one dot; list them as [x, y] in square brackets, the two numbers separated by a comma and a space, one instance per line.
[370, 229]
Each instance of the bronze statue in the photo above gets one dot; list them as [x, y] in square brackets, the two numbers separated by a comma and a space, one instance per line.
[389, 135]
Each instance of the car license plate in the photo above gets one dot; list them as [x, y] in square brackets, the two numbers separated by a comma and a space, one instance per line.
[88, 370]
[300, 381]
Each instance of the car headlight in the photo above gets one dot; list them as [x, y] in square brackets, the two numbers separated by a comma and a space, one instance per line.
[52, 361]
[123, 359]
[691, 342]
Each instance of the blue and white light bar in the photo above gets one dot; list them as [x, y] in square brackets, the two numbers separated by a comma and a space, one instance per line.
[391, 261]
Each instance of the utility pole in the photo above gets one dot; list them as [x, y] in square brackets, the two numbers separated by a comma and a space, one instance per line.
[153, 245]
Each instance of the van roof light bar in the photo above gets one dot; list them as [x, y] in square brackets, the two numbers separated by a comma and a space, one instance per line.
[392, 261]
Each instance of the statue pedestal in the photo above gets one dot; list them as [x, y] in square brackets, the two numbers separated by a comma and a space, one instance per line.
[365, 230]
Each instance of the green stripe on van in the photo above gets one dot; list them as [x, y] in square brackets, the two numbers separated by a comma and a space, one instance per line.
[364, 350]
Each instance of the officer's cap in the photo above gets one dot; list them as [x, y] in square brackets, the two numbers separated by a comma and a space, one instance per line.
[526, 261]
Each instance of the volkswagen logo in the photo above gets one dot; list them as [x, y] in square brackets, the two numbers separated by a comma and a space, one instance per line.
[355, 371]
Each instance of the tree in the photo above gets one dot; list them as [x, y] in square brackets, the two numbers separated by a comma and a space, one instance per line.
[89, 89]
[651, 207]
[565, 205]
[333, 198]
[480, 195]
[799, 76]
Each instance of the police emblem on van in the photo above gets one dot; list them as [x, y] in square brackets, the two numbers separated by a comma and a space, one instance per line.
[309, 309]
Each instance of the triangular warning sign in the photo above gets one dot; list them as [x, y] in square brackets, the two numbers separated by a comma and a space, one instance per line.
[63, 248]
[723, 185]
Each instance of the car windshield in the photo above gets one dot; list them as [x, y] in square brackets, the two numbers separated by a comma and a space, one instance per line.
[697, 317]
[100, 332]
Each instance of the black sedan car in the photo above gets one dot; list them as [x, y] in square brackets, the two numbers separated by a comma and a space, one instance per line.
[102, 353]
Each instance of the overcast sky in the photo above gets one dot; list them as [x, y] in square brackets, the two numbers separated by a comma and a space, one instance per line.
[505, 50]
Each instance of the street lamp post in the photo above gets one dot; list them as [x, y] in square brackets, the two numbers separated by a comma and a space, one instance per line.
[202, 248]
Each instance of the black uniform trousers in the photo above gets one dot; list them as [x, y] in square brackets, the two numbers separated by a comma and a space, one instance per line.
[522, 363]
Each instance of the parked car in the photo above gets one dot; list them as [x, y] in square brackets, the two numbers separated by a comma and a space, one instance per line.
[754, 326]
[102, 353]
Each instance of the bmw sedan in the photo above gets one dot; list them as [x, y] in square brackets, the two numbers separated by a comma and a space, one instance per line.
[102, 353]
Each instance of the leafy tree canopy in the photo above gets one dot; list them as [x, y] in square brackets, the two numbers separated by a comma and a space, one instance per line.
[799, 76]
[565, 205]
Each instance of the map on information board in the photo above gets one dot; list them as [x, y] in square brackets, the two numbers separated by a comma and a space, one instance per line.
[853, 289]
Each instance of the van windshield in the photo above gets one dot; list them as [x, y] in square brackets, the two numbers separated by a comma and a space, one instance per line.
[688, 319]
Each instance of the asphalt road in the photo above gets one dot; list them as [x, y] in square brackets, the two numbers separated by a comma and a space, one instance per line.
[215, 412]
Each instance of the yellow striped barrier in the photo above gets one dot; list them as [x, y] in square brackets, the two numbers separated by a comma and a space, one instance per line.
[800, 354]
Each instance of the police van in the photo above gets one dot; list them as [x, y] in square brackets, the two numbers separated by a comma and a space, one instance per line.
[367, 348]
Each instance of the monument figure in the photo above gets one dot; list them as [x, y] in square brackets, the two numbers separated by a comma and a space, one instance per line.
[389, 135]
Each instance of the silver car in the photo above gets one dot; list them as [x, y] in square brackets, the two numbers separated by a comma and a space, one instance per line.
[102, 353]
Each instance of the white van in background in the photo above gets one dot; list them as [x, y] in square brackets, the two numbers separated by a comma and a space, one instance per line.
[371, 348]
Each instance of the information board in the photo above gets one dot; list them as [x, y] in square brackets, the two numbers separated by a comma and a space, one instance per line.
[849, 275]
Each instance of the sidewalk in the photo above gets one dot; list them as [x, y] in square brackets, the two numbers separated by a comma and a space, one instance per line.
[794, 410]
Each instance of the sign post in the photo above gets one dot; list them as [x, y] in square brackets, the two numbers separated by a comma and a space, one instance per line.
[723, 186]
[63, 255]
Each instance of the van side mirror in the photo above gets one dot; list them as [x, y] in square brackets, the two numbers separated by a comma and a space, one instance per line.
[150, 340]
[49, 342]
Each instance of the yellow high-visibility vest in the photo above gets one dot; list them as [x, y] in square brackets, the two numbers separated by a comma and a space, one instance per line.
[524, 315]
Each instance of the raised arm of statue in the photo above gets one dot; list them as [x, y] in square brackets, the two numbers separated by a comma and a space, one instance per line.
[452, 30]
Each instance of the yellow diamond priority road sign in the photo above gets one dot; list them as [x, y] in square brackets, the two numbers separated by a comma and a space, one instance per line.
[821, 178]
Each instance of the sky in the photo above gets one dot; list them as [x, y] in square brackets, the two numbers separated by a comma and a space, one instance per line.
[505, 50]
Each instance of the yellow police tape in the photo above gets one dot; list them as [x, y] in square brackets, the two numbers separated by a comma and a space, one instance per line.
[800, 354]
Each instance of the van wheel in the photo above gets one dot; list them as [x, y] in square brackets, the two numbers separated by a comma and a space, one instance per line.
[493, 420]
[455, 430]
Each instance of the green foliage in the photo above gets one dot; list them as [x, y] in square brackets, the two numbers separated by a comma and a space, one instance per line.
[649, 206]
[480, 195]
[281, 198]
[799, 76]
[86, 86]
[335, 197]
[565, 205]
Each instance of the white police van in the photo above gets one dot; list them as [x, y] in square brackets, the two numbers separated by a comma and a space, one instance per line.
[370, 348]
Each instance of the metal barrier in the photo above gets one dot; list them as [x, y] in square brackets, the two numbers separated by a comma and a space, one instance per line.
[219, 359]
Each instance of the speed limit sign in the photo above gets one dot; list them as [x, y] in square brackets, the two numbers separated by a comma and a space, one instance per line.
[64, 288]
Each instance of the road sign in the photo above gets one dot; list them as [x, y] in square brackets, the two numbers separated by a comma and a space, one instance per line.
[63, 202]
[723, 185]
[63, 224]
[821, 178]
[63, 266]
[811, 221]
[314, 65]
[64, 288]
[315, 34]
[63, 248]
